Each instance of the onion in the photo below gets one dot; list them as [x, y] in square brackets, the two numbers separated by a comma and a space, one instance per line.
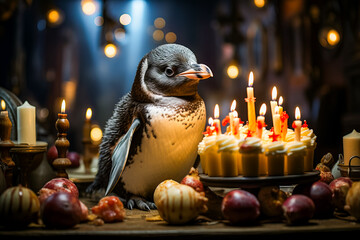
[19, 206]
[353, 200]
[180, 204]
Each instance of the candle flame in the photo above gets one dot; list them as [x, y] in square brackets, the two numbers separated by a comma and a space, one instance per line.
[276, 110]
[233, 106]
[88, 114]
[63, 106]
[297, 113]
[211, 121]
[216, 111]
[274, 93]
[251, 79]
[3, 105]
[263, 109]
[281, 100]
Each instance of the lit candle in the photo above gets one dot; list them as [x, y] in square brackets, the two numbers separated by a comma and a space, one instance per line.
[273, 103]
[251, 104]
[87, 125]
[26, 124]
[211, 123]
[236, 123]
[297, 124]
[3, 107]
[284, 124]
[281, 100]
[231, 115]
[277, 123]
[261, 121]
[217, 120]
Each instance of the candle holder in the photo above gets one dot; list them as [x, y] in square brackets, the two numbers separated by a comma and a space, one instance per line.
[62, 145]
[27, 158]
[5, 145]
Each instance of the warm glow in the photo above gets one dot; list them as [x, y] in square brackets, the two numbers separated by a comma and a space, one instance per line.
[88, 114]
[251, 79]
[297, 113]
[110, 50]
[281, 100]
[96, 134]
[211, 121]
[259, 3]
[333, 37]
[3, 105]
[235, 114]
[125, 19]
[263, 109]
[170, 37]
[158, 35]
[232, 71]
[53, 16]
[216, 111]
[274, 93]
[63, 106]
[88, 7]
[159, 22]
[233, 106]
[276, 109]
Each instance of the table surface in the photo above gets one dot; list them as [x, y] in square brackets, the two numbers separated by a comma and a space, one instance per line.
[210, 226]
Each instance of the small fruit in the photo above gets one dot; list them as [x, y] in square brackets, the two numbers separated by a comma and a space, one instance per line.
[62, 184]
[271, 199]
[240, 207]
[74, 158]
[298, 209]
[161, 187]
[61, 210]
[193, 180]
[321, 195]
[110, 209]
[340, 188]
[353, 200]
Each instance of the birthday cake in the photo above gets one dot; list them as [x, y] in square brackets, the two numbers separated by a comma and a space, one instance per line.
[252, 150]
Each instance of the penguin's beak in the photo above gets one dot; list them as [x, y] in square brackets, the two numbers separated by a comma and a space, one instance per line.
[197, 72]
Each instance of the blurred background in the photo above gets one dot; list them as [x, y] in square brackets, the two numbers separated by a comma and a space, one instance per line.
[87, 52]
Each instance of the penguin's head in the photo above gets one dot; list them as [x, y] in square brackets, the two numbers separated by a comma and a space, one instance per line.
[171, 70]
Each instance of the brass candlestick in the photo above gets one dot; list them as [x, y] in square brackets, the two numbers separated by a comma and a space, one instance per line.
[5, 145]
[62, 145]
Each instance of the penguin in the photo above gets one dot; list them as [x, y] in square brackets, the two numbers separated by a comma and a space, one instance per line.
[155, 128]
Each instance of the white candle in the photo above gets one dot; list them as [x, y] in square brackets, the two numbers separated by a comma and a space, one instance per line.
[251, 104]
[277, 123]
[297, 125]
[231, 115]
[281, 100]
[351, 145]
[261, 121]
[273, 103]
[26, 124]
[217, 120]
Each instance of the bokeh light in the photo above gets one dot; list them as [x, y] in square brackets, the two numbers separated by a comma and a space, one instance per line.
[159, 22]
[125, 19]
[110, 50]
[88, 7]
[158, 35]
[233, 71]
[170, 37]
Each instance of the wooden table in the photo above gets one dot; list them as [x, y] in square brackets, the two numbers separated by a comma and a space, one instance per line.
[137, 226]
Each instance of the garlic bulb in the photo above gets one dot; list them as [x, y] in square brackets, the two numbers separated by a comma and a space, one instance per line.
[180, 204]
[161, 187]
[353, 200]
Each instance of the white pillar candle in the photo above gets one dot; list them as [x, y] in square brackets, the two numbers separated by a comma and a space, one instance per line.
[351, 145]
[251, 104]
[26, 124]
[273, 103]
[297, 125]
[277, 123]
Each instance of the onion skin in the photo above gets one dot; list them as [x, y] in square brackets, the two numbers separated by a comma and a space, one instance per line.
[340, 187]
[353, 200]
[193, 180]
[271, 199]
[164, 185]
[298, 209]
[19, 206]
[240, 207]
[180, 204]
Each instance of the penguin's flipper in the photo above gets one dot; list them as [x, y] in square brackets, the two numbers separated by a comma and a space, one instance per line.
[120, 156]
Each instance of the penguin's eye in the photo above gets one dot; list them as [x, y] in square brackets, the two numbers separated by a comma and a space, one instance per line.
[169, 72]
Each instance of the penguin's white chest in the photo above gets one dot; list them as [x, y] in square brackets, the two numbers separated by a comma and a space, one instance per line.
[168, 148]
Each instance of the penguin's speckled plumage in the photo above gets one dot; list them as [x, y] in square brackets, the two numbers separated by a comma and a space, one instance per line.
[171, 117]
